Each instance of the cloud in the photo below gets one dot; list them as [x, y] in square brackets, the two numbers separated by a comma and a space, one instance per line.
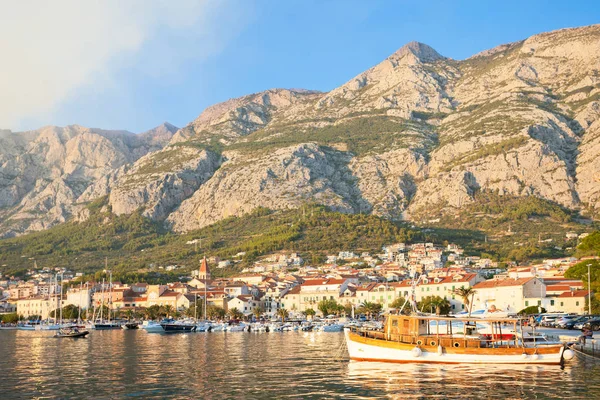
[52, 49]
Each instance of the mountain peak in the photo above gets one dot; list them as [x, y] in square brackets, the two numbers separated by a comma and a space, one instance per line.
[421, 51]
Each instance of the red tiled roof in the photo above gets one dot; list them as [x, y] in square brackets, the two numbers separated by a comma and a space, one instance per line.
[576, 293]
[502, 283]
[294, 290]
[557, 288]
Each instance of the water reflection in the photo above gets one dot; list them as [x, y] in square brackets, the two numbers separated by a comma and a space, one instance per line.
[116, 364]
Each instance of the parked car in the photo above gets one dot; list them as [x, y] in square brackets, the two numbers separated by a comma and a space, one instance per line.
[563, 321]
[591, 322]
[582, 319]
[548, 319]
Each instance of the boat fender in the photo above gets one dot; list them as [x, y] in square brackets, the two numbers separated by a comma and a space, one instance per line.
[524, 356]
[440, 350]
[535, 356]
[568, 354]
[416, 352]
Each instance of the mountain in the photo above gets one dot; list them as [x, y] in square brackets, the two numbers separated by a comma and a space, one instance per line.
[44, 173]
[415, 137]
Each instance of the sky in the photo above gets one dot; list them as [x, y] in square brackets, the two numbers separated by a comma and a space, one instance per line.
[134, 64]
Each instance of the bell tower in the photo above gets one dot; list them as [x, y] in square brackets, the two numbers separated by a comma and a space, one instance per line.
[204, 272]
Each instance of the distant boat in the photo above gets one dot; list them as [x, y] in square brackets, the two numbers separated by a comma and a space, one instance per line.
[178, 326]
[73, 332]
[105, 325]
[130, 325]
[27, 326]
[152, 326]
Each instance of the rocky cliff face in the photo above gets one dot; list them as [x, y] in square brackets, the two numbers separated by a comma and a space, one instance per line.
[415, 133]
[43, 173]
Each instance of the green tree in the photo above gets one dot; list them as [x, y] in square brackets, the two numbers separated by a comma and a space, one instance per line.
[11, 318]
[369, 308]
[531, 310]
[234, 313]
[168, 310]
[258, 311]
[466, 293]
[215, 312]
[435, 304]
[590, 245]
[152, 312]
[309, 312]
[329, 307]
[283, 314]
[400, 302]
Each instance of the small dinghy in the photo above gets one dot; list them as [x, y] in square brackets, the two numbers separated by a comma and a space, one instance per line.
[71, 332]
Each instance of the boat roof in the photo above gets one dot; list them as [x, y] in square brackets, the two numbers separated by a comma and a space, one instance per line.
[465, 319]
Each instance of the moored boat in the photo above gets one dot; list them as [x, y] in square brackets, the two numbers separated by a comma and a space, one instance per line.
[430, 339]
[130, 325]
[178, 326]
[71, 332]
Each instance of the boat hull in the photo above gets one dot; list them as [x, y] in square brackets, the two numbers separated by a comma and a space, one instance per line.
[105, 326]
[72, 335]
[169, 328]
[362, 348]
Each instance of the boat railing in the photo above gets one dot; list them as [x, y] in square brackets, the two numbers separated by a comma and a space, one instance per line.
[456, 339]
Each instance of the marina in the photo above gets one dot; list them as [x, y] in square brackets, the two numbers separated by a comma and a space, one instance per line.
[223, 365]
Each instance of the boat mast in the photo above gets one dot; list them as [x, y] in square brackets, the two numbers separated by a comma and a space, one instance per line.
[62, 280]
[102, 304]
[79, 308]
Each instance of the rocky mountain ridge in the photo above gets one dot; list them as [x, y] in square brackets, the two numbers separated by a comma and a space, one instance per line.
[415, 135]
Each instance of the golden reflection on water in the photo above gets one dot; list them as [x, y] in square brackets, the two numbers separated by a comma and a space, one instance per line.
[111, 364]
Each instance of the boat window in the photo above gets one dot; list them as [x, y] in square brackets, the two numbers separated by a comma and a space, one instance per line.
[394, 322]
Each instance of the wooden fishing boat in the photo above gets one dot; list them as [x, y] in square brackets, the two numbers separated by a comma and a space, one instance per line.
[432, 339]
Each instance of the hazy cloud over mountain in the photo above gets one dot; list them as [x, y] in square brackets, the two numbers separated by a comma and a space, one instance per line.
[56, 49]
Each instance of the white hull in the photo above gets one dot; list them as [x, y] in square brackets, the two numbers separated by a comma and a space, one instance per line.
[152, 327]
[367, 352]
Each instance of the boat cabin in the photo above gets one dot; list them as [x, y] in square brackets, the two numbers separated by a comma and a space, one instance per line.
[448, 331]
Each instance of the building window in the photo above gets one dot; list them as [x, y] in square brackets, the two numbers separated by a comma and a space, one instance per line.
[526, 304]
[551, 302]
[576, 303]
[539, 302]
[562, 303]
[462, 306]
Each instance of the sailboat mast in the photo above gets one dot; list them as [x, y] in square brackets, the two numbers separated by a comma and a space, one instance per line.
[79, 308]
[102, 304]
[62, 280]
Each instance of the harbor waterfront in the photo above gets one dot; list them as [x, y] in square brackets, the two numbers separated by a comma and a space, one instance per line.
[134, 363]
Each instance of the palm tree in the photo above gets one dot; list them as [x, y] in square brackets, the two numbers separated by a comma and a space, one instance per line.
[168, 309]
[370, 308]
[465, 293]
[235, 313]
[283, 313]
[258, 311]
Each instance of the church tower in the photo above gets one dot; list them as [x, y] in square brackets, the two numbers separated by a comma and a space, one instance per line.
[204, 272]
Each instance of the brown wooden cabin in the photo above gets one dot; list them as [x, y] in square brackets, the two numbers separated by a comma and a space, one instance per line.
[418, 330]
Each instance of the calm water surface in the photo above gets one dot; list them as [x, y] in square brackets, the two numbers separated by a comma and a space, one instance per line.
[298, 365]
